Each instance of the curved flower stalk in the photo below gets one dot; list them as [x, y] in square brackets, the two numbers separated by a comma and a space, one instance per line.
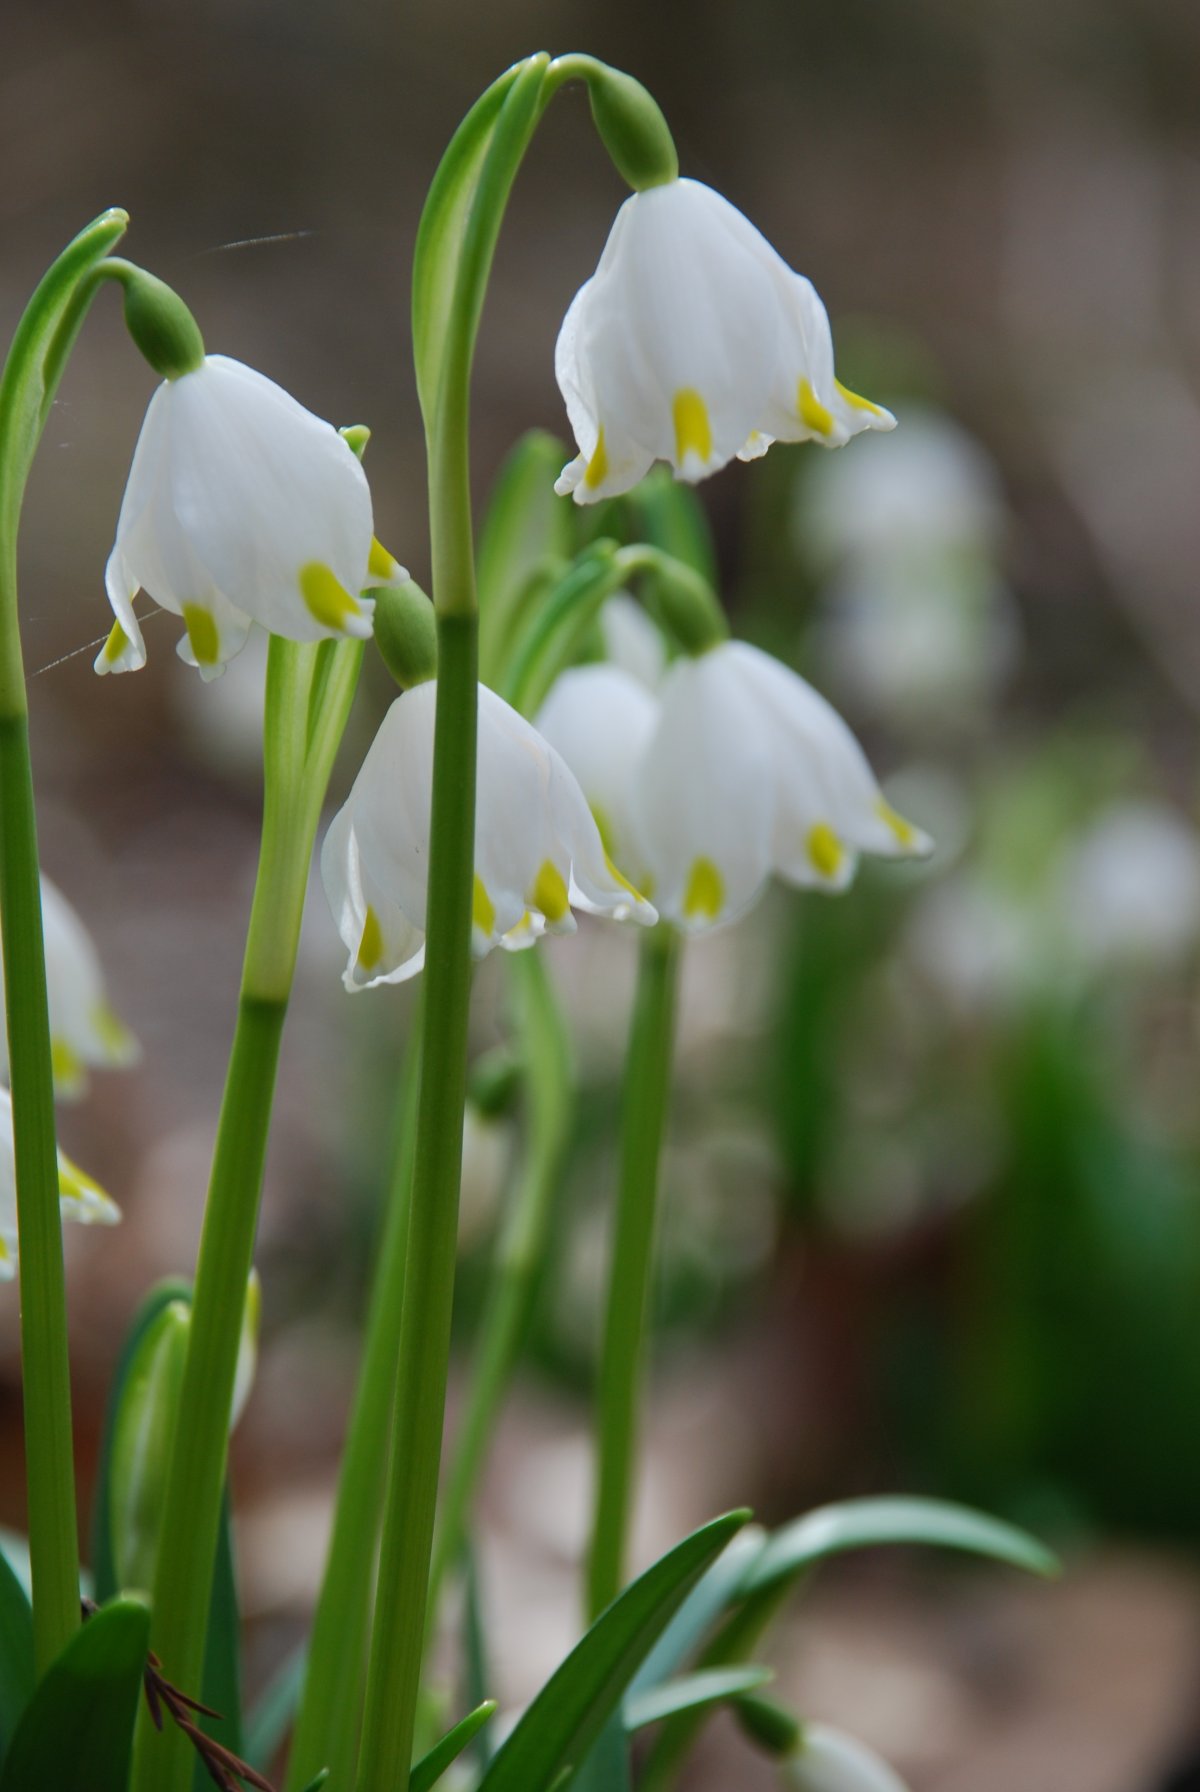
[241, 507]
[735, 770]
[694, 342]
[80, 1198]
[828, 1760]
[85, 1031]
[538, 851]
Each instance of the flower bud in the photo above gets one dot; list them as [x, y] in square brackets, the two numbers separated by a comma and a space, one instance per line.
[769, 1724]
[406, 634]
[632, 128]
[160, 323]
[142, 1442]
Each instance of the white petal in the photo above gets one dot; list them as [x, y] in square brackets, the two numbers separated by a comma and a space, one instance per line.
[704, 805]
[83, 1025]
[830, 1761]
[808, 403]
[631, 640]
[830, 806]
[383, 944]
[600, 720]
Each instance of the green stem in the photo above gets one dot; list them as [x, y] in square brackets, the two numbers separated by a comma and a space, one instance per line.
[50, 1474]
[643, 1127]
[327, 1724]
[298, 753]
[32, 370]
[397, 1643]
[416, 1443]
[546, 1051]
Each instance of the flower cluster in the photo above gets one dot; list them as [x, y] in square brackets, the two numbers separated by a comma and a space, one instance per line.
[733, 770]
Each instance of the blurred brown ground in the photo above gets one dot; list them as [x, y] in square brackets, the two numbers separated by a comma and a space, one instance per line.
[1015, 187]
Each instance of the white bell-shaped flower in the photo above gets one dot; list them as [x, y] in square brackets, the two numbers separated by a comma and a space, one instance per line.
[736, 769]
[694, 342]
[80, 1198]
[830, 1761]
[241, 507]
[85, 1032]
[538, 852]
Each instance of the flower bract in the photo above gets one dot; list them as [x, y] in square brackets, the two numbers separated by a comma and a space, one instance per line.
[81, 1199]
[735, 770]
[241, 507]
[694, 342]
[85, 1032]
[538, 851]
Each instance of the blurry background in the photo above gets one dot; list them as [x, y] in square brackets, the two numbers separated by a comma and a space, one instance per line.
[933, 1182]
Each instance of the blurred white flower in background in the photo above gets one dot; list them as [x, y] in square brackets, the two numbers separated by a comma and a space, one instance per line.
[916, 621]
[80, 1198]
[694, 342]
[85, 1031]
[830, 1761]
[1129, 887]
[631, 640]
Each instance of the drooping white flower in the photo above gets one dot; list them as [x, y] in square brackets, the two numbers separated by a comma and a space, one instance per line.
[241, 506]
[694, 342]
[632, 641]
[537, 849]
[736, 770]
[84, 1030]
[81, 1199]
[1128, 890]
[830, 1761]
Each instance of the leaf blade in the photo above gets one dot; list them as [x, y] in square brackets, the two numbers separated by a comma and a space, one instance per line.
[76, 1734]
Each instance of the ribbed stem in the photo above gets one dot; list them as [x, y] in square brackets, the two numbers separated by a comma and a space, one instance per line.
[643, 1128]
[327, 1726]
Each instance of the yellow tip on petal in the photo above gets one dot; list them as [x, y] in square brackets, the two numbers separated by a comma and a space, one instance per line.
[483, 909]
[76, 1186]
[693, 431]
[825, 850]
[813, 414]
[858, 403]
[370, 946]
[549, 893]
[596, 471]
[618, 876]
[66, 1064]
[325, 598]
[115, 646]
[905, 833]
[202, 633]
[382, 567]
[118, 1042]
[704, 897]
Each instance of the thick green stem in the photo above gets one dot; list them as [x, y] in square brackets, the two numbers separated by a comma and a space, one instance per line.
[416, 1445]
[299, 745]
[546, 1051]
[50, 1474]
[327, 1725]
[32, 370]
[643, 1127]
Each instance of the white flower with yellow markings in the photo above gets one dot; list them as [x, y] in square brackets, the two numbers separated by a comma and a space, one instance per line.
[80, 1198]
[694, 342]
[241, 507]
[85, 1032]
[538, 852]
[735, 770]
[830, 1761]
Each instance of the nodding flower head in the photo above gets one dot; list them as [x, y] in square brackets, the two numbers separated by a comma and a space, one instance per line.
[538, 851]
[736, 769]
[694, 342]
[241, 507]
[80, 1198]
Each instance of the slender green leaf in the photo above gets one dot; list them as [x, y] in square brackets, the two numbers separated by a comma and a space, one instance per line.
[430, 1768]
[475, 1652]
[77, 1731]
[271, 1716]
[690, 1693]
[526, 528]
[863, 1524]
[317, 1781]
[566, 1717]
[607, 1767]
[670, 516]
[17, 1672]
[221, 1687]
[699, 1611]
[440, 234]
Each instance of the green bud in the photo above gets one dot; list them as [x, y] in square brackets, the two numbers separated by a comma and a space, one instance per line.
[494, 1082]
[356, 436]
[160, 323]
[632, 128]
[406, 633]
[771, 1726]
[141, 1443]
[682, 599]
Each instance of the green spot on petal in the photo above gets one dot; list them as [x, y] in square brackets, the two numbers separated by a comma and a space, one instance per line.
[704, 897]
[202, 633]
[326, 600]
